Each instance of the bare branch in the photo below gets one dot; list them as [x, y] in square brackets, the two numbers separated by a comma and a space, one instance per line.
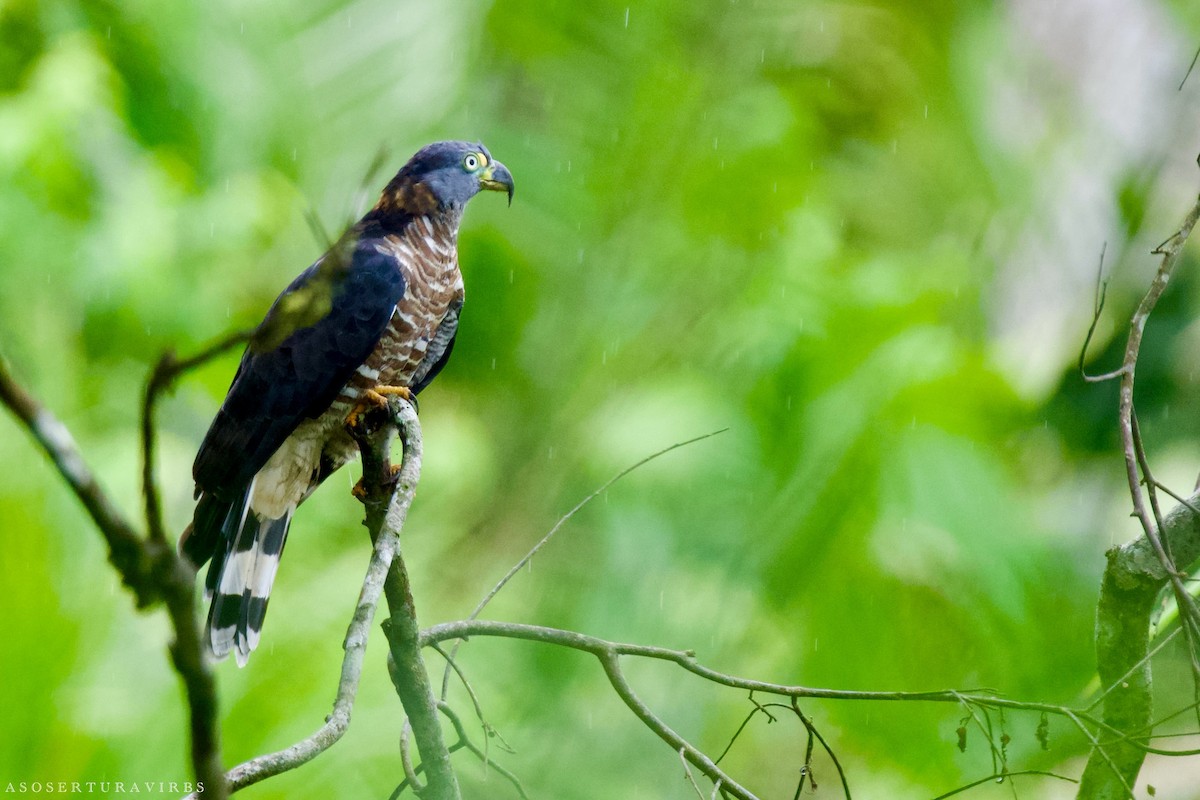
[508, 576]
[1097, 312]
[149, 567]
[386, 495]
[687, 773]
[1132, 580]
[126, 551]
[406, 758]
[812, 731]
[985, 727]
[758, 708]
[187, 650]
[610, 661]
[1190, 68]
[162, 377]
[465, 629]
[609, 654]
[1004, 776]
[466, 742]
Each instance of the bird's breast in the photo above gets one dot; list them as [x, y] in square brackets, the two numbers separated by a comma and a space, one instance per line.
[426, 254]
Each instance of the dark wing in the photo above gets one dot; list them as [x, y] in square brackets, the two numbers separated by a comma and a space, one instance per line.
[276, 389]
[438, 352]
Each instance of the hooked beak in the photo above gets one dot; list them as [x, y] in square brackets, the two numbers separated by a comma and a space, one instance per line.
[497, 178]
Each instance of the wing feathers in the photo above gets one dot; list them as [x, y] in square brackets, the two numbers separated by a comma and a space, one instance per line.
[276, 389]
[273, 391]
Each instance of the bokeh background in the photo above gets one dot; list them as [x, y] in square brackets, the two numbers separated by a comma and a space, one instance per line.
[862, 236]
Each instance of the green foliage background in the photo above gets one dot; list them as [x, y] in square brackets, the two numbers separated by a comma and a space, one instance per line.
[802, 221]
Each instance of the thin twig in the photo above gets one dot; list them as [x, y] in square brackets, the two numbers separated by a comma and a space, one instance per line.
[508, 576]
[687, 773]
[1097, 312]
[489, 730]
[168, 369]
[757, 708]
[998, 764]
[812, 730]
[1183, 501]
[1003, 776]
[1191, 67]
[406, 759]
[1143, 660]
[466, 685]
[1098, 749]
[466, 742]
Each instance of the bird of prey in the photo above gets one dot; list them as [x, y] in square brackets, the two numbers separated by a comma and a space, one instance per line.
[376, 315]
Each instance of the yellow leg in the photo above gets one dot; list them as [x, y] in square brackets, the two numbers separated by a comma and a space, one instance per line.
[360, 491]
[377, 397]
[379, 393]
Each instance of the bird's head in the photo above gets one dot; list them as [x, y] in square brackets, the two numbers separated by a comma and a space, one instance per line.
[445, 175]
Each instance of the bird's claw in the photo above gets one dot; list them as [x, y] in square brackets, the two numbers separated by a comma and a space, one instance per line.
[376, 397]
[360, 488]
[379, 394]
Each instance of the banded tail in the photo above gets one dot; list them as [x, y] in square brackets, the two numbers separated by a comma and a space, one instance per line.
[245, 550]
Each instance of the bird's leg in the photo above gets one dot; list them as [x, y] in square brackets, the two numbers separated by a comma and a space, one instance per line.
[360, 489]
[377, 397]
[379, 394]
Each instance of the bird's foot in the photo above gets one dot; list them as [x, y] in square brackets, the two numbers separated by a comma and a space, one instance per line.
[375, 398]
[379, 394]
[360, 488]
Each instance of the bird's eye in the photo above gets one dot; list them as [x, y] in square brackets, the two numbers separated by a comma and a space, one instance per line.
[473, 161]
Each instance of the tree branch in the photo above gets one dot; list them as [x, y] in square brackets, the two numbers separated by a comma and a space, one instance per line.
[609, 654]
[1132, 581]
[1137, 571]
[162, 377]
[126, 550]
[386, 494]
[149, 567]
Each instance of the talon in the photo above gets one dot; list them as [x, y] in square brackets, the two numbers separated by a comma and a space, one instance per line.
[377, 397]
[359, 489]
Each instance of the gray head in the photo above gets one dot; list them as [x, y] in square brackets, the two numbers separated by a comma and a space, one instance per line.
[445, 175]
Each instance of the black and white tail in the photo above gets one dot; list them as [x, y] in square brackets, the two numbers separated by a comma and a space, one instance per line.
[239, 579]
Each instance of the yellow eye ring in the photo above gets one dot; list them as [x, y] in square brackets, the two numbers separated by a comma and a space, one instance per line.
[474, 161]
